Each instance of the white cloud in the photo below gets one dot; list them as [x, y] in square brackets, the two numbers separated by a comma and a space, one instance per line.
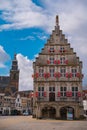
[21, 14]
[28, 38]
[25, 14]
[42, 37]
[4, 57]
[26, 71]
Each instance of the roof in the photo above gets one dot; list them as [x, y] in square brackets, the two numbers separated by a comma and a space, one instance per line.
[85, 91]
[4, 80]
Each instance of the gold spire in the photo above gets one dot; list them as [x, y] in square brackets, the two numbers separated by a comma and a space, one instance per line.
[57, 20]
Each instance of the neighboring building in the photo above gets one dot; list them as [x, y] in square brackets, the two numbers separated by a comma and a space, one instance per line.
[9, 84]
[7, 104]
[85, 102]
[84, 94]
[16, 105]
[1, 103]
[57, 79]
[24, 102]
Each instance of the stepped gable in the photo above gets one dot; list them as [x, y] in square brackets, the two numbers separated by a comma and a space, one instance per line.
[57, 79]
[60, 46]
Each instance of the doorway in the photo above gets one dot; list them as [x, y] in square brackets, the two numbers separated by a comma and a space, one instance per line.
[49, 112]
[67, 113]
[51, 96]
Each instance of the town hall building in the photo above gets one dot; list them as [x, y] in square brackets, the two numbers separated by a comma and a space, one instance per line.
[57, 79]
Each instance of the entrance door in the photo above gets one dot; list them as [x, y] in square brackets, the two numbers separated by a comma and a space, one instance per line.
[67, 113]
[63, 113]
[49, 112]
[52, 112]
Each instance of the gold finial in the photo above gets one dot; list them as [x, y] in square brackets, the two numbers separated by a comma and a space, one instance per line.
[57, 20]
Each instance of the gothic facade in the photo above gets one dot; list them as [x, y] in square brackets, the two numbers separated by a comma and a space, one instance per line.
[9, 84]
[57, 79]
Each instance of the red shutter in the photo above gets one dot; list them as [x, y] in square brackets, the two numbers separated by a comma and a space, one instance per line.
[70, 93]
[44, 75]
[55, 74]
[45, 94]
[55, 61]
[70, 75]
[58, 61]
[64, 50]
[67, 94]
[48, 75]
[59, 74]
[36, 94]
[79, 94]
[59, 94]
[48, 62]
[49, 50]
[78, 75]
[60, 50]
[36, 75]
[67, 75]
[66, 61]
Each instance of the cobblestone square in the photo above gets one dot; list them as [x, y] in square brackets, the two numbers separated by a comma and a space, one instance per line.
[29, 123]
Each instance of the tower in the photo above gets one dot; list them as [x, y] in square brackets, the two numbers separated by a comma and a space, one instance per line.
[57, 79]
[14, 76]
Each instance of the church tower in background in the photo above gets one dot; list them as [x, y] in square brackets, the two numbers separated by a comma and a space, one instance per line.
[14, 76]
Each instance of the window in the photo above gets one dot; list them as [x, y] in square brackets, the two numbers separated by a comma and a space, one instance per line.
[51, 93]
[63, 72]
[62, 60]
[52, 72]
[41, 72]
[74, 72]
[51, 89]
[51, 60]
[18, 99]
[51, 49]
[62, 49]
[74, 91]
[63, 91]
[41, 92]
[1, 97]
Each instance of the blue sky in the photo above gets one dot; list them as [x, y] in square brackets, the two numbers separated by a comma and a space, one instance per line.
[25, 26]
